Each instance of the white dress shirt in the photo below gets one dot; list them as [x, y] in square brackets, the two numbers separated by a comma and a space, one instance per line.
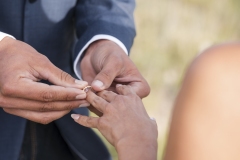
[2, 35]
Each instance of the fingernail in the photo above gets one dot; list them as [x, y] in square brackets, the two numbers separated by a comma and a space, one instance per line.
[84, 105]
[81, 82]
[81, 96]
[75, 116]
[97, 83]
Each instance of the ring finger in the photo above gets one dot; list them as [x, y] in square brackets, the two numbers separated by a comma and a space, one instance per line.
[107, 95]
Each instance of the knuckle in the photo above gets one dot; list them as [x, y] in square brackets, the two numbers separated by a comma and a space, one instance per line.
[47, 96]
[102, 123]
[89, 120]
[42, 60]
[43, 57]
[46, 107]
[106, 94]
[68, 97]
[96, 100]
[108, 108]
[65, 76]
[119, 99]
[121, 103]
[69, 106]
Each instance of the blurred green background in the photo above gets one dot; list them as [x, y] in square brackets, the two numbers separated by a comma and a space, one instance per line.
[170, 33]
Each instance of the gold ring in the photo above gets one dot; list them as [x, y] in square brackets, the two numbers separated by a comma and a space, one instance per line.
[87, 88]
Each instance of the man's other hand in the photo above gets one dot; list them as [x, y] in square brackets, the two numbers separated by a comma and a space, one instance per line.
[21, 67]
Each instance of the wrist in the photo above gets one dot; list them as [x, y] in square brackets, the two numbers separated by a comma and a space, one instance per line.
[137, 148]
[139, 151]
[102, 45]
[139, 144]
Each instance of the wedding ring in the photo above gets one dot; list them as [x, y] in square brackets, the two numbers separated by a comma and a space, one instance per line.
[87, 88]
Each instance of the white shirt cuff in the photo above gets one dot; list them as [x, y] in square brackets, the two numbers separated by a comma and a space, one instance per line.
[76, 65]
[3, 35]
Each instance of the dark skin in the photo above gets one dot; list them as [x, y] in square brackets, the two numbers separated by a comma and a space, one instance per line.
[124, 123]
[21, 93]
[104, 61]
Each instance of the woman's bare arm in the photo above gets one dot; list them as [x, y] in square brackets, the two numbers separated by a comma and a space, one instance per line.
[206, 119]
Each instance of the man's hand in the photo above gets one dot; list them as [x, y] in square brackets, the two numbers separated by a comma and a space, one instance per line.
[124, 123]
[21, 67]
[105, 64]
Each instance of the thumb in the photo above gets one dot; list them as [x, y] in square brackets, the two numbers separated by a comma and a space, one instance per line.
[104, 78]
[58, 77]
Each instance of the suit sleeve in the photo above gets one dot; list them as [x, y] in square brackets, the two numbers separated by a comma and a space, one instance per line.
[106, 17]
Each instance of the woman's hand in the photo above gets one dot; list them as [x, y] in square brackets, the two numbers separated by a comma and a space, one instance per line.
[124, 123]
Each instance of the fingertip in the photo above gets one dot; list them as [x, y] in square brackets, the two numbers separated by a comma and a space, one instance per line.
[75, 116]
[98, 85]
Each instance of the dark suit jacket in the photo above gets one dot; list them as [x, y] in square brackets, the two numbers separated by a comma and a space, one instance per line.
[59, 29]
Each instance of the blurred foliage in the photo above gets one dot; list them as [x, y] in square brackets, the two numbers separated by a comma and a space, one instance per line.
[170, 33]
